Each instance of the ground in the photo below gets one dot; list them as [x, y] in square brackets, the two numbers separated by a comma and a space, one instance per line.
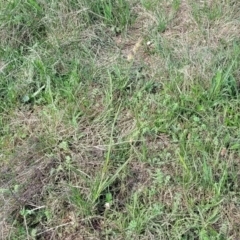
[120, 119]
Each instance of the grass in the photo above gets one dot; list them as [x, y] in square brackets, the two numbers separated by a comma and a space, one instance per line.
[119, 119]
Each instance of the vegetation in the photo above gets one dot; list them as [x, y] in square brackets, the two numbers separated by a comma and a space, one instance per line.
[120, 119]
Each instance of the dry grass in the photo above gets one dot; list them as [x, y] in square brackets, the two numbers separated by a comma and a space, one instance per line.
[115, 129]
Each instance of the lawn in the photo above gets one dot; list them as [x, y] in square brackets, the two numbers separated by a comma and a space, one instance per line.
[120, 119]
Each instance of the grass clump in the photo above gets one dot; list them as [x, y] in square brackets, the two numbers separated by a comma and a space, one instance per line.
[114, 13]
[119, 119]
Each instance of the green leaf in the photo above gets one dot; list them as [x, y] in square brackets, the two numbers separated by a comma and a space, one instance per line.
[25, 99]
